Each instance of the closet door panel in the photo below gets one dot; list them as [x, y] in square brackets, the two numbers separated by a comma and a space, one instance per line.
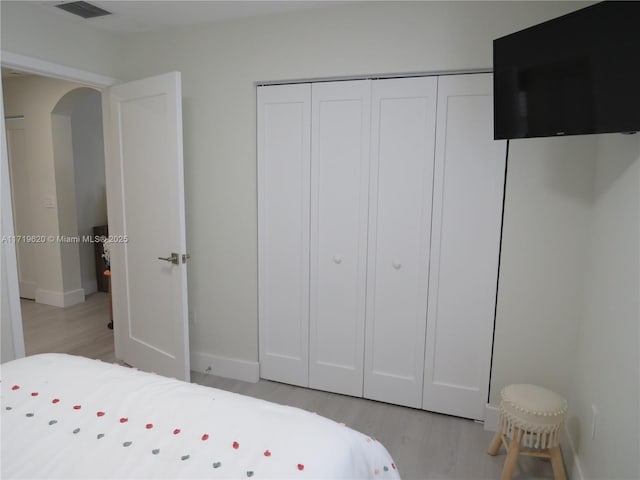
[339, 183]
[403, 133]
[467, 213]
[284, 128]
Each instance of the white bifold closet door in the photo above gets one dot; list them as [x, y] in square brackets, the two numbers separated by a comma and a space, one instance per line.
[379, 213]
[403, 137]
[284, 116]
[340, 138]
[467, 210]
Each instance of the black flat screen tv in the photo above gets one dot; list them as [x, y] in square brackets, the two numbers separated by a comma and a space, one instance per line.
[573, 75]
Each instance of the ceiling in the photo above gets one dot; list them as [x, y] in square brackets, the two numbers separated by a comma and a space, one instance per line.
[150, 15]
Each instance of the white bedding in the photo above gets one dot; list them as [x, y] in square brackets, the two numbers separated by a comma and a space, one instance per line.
[70, 417]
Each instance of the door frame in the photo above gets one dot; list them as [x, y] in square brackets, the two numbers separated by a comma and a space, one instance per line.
[61, 72]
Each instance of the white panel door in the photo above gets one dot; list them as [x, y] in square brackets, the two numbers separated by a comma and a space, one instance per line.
[402, 143]
[339, 186]
[145, 187]
[284, 128]
[21, 178]
[467, 211]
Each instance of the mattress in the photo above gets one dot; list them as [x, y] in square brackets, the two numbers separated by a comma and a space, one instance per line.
[70, 417]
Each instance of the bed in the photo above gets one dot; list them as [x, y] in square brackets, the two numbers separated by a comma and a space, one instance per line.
[71, 417]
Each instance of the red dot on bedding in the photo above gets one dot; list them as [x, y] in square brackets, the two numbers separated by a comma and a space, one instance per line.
[34, 394]
[176, 431]
[205, 437]
[124, 420]
[100, 414]
[267, 453]
[148, 426]
[236, 445]
[55, 400]
[393, 465]
[300, 467]
[15, 387]
[77, 407]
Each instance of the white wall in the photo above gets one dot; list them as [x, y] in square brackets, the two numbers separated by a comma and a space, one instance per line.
[35, 98]
[47, 33]
[545, 238]
[607, 371]
[89, 175]
[220, 64]
[66, 201]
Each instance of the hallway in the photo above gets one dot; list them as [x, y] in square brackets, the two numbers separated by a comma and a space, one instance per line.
[77, 330]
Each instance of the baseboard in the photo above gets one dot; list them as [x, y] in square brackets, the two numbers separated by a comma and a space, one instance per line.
[60, 299]
[570, 457]
[491, 418]
[49, 297]
[225, 367]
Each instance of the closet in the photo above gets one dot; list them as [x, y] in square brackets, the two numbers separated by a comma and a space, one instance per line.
[379, 210]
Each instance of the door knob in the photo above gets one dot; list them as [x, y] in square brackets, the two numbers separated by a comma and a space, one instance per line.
[174, 258]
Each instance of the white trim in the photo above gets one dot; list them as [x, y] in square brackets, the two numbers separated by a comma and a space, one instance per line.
[491, 418]
[32, 65]
[62, 72]
[48, 297]
[9, 249]
[60, 299]
[570, 456]
[225, 367]
[374, 76]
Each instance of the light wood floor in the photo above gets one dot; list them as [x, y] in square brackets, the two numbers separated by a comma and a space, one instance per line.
[78, 330]
[425, 446]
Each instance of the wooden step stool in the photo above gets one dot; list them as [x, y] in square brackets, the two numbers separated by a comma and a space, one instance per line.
[530, 417]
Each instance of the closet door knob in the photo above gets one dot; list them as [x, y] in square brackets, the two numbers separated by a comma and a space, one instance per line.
[337, 260]
[396, 264]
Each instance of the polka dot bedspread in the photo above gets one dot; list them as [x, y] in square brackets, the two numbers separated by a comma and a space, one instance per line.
[70, 417]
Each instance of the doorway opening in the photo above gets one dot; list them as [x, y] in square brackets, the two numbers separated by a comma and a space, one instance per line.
[57, 175]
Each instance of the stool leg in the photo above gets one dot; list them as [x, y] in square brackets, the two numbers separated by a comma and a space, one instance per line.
[556, 463]
[495, 443]
[512, 456]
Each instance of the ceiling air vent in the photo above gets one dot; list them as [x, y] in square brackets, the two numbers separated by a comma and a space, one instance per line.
[83, 9]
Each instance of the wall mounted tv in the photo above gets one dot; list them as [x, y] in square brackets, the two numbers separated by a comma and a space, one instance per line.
[576, 74]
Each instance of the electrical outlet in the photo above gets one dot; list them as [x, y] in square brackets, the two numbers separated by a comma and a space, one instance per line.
[594, 421]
